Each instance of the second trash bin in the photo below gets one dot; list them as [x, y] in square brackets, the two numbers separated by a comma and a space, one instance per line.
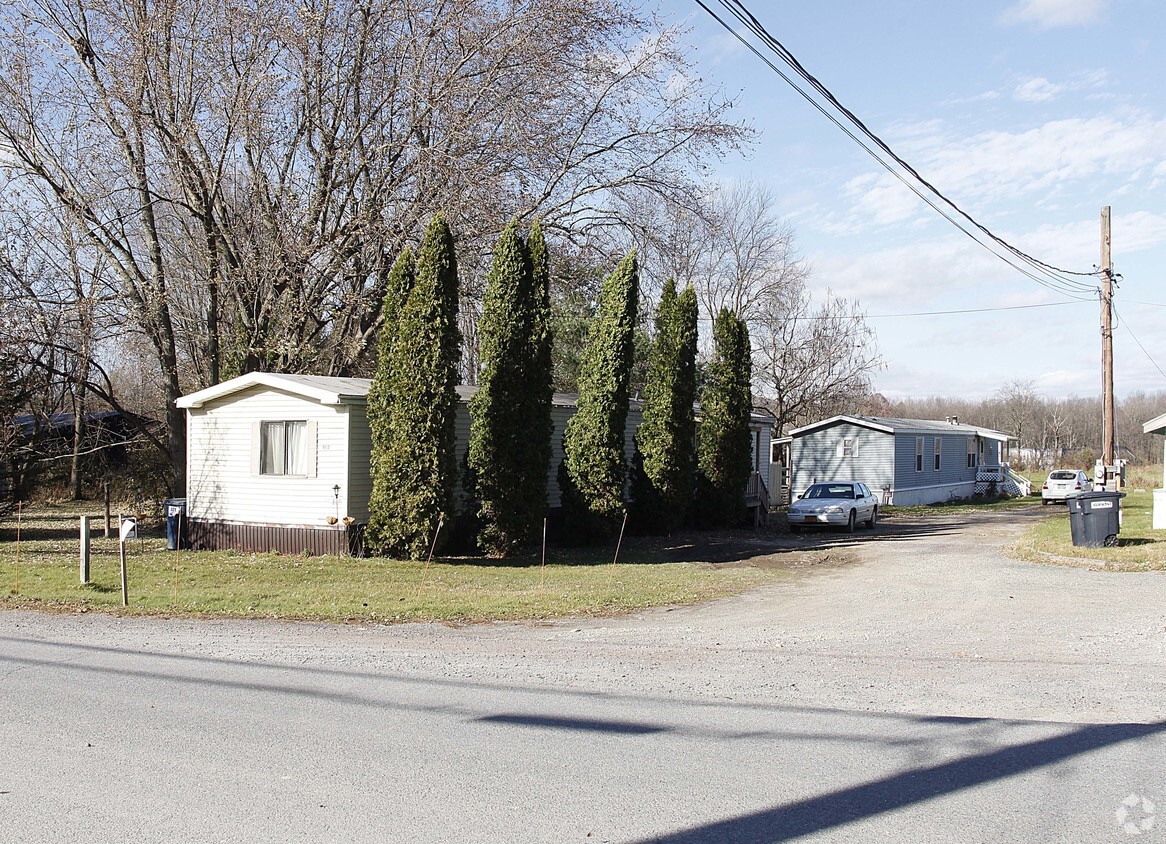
[1095, 518]
[174, 509]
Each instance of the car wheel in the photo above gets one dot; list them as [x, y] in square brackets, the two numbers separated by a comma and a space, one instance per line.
[874, 517]
[1111, 541]
[1044, 501]
[850, 522]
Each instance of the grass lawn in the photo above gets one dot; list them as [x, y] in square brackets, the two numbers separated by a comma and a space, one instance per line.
[651, 572]
[966, 505]
[1140, 548]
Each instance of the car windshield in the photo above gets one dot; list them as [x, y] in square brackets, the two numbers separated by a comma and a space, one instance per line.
[1063, 476]
[830, 491]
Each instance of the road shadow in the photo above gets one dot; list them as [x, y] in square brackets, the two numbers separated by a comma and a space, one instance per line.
[843, 806]
[989, 756]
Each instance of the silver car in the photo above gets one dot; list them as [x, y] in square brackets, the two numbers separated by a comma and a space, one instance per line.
[1063, 484]
[834, 504]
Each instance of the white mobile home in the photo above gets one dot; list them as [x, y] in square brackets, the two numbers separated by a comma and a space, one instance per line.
[281, 462]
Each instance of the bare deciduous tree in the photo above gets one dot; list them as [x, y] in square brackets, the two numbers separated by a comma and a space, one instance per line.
[247, 172]
[812, 361]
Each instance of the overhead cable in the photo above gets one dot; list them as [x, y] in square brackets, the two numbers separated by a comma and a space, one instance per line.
[1047, 275]
[1129, 330]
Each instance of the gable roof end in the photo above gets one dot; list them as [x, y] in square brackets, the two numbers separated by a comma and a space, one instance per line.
[325, 390]
[890, 425]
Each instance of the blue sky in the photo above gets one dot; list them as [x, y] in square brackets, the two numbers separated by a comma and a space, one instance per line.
[1031, 115]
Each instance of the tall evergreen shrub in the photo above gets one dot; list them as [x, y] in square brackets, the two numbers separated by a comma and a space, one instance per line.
[413, 453]
[498, 436]
[594, 469]
[666, 449]
[540, 386]
[402, 277]
[723, 437]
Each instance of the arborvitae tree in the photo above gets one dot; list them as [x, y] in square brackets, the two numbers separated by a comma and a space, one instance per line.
[594, 467]
[666, 452]
[400, 283]
[723, 447]
[413, 455]
[498, 433]
[540, 387]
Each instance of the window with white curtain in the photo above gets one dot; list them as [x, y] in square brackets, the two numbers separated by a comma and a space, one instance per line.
[283, 448]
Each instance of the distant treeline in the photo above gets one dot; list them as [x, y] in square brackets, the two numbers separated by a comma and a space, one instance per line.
[1051, 431]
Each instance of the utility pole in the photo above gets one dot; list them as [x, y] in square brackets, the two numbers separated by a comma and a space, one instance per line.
[1108, 440]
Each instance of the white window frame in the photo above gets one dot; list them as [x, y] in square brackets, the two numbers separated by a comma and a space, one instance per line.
[848, 446]
[938, 462]
[304, 462]
[972, 462]
[919, 454]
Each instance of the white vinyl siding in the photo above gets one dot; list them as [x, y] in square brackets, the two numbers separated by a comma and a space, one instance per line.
[229, 479]
[763, 445]
[354, 499]
[223, 465]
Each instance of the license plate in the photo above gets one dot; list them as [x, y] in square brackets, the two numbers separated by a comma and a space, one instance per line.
[810, 519]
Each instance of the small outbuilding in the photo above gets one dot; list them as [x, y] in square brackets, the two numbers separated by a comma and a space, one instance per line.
[1157, 425]
[282, 462]
[904, 461]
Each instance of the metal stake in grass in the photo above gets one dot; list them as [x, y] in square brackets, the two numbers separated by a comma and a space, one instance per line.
[543, 577]
[432, 548]
[177, 546]
[17, 590]
[618, 543]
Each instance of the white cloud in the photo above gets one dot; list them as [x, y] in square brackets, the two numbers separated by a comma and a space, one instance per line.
[1138, 231]
[883, 200]
[905, 278]
[1047, 14]
[1038, 162]
[1037, 90]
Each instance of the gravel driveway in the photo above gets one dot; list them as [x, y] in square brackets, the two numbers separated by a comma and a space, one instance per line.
[841, 704]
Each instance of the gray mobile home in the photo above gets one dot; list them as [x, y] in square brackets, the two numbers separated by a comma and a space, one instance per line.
[904, 461]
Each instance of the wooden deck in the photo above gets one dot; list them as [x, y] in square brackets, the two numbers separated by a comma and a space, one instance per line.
[757, 499]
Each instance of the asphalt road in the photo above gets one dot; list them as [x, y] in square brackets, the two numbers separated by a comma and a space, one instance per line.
[933, 691]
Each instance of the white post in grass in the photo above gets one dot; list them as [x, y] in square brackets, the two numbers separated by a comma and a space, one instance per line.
[128, 529]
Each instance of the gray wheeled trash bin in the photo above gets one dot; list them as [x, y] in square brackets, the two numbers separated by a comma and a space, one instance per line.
[1095, 518]
[174, 509]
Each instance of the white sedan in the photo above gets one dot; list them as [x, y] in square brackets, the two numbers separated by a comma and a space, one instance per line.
[836, 504]
[1063, 484]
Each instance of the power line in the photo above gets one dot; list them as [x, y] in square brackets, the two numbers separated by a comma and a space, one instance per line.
[1126, 326]
[1065, 286]
[975, 310]
[738, 10]
[920, 313]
